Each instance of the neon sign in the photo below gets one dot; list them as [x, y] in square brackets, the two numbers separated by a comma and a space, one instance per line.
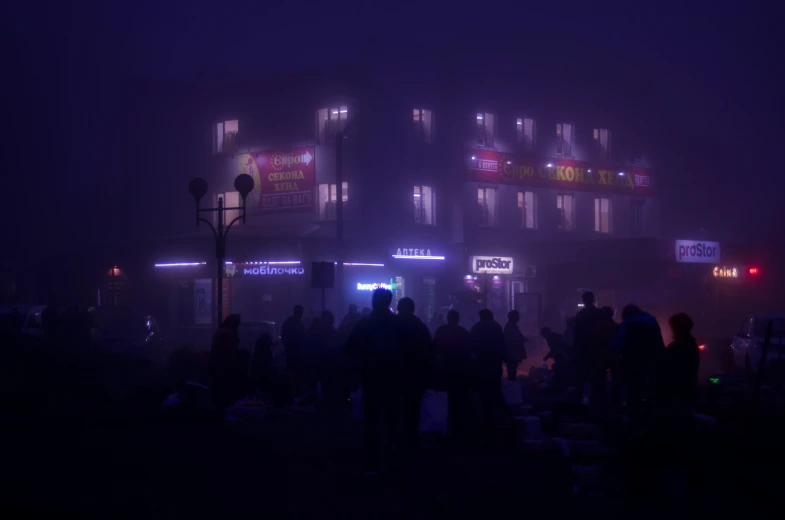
[725, 272]
[373, 286]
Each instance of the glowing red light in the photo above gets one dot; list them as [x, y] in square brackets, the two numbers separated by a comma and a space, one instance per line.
[701, 347]
[753, 270]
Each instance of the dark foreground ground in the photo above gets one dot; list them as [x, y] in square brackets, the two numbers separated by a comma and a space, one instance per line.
[90, 462]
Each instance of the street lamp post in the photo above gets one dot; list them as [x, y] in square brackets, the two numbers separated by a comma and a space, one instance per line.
[198, 188]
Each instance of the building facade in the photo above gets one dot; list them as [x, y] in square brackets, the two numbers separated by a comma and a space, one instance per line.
[446, 198]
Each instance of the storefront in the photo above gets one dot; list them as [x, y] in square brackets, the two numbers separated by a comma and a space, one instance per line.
[421, 273]
[504, 283]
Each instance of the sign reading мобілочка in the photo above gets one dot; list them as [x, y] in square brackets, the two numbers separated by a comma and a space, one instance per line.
[492, 264]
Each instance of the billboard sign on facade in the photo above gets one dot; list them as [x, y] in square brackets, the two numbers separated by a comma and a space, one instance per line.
[283, 180]
[697, 252]
[492, 264]
[568, 174]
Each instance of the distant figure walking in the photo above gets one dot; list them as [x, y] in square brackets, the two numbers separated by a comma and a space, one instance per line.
[516, 344]
[488, 352]
[376, 342]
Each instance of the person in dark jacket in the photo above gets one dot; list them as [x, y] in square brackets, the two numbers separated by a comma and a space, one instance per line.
[638, 343]
[515, 342]
[347, 374]
[585, 322]
[224, 367]
[557, 351]
[451, 344]
[376, 341]
[488, 352]
[418, 369]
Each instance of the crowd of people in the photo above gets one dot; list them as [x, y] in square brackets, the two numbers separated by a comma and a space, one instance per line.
[395, 357]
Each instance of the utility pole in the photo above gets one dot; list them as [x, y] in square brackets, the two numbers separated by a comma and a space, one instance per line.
[339, 220]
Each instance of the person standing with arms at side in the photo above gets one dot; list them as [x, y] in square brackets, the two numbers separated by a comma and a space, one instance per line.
[516, 348]
[419, 363]
[376, 342]
[488, 352]
[585, 321]
[451, 344]
[604, 332]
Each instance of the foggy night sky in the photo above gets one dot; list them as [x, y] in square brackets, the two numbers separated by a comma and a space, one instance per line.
[712, 73]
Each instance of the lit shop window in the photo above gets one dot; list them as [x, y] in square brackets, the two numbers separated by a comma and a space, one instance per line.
[485, 129]
[486, 201]
[231, 199]
[424, 206]
[564, 138]
[565, 204]
[225, 136]
[330, 122]
[602, 140]
[328, 199]
[527, 206]
[525, 128]
[423, 125]
[602, 215]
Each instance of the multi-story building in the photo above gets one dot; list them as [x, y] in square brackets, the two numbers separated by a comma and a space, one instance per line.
[445, 196]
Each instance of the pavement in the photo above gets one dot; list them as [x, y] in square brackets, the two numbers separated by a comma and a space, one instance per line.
[310, 465]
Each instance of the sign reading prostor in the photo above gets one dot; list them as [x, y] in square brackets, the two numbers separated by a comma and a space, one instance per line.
[492, 264]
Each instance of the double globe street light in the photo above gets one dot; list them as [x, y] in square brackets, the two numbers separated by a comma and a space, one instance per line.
[198, 188]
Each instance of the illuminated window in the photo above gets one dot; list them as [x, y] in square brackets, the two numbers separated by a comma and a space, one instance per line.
[485, 129]
[525, 128]
[602, 140]
[328, 199]
[225, 136]
[564, 138]
[486, 201]
[330, 122]
[527, 208]
[565, 204]
[602, 215]
[423, 125]
[424, 206]
[231, 199]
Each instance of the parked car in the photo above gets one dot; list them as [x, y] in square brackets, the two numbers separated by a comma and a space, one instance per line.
[747, 344]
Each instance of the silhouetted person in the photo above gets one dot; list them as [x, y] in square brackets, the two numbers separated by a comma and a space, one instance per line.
[262, 363]
[418, 369]
[488, 352]
[678, 376]
[367, 311]
[604, 332]
[451, 345]
[329, 357]
[568, 336]
[376, 341]
[639, 344]
[292, 337]
[585, 321]
[516, 344]
[677, 381]
[225, 374]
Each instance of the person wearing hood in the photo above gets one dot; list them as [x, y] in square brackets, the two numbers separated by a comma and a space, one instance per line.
[515, 342]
